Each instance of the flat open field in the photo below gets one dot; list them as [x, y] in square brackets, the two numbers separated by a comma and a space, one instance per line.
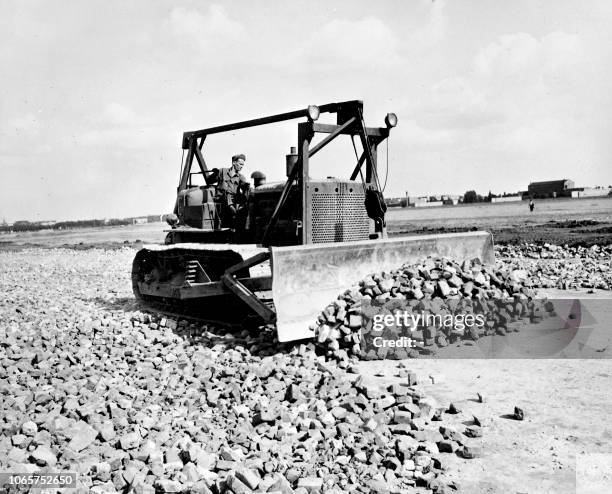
[573, 221]
[111, 236]
[558, 221]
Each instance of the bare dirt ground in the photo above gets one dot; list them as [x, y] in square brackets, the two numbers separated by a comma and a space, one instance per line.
[566, 403]
[563, 444]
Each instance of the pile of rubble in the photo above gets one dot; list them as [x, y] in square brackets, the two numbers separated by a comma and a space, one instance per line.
[503, 296]
[564, 267]
[150, 404]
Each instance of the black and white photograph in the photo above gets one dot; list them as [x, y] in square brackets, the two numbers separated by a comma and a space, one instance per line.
[305, 247]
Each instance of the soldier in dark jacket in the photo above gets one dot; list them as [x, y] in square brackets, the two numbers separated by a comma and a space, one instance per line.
[232, 192]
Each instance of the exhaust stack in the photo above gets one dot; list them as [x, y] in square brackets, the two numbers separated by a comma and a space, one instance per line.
[292, 158]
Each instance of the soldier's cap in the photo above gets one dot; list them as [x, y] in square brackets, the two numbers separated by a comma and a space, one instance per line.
[237, 157]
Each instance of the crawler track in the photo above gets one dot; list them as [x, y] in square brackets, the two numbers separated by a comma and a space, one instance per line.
[168, 265]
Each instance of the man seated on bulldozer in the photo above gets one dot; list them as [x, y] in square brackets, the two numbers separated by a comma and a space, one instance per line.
[232, 194]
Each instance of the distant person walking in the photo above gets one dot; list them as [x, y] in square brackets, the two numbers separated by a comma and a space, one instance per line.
[531, 205]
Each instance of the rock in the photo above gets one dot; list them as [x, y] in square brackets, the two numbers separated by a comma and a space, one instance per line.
[248, 477]
[441, 341]
[311, 484]
[473, 431]
[360, 457]
[323, 333]
[81, 436]
[172, 459]
[355, 321]
[142, 488]
[236, 485]
[452, 434]
[105, 488]
[480, 421]
[102, 471]
[280, 485]
[191, 473]
[43, 456]
[518, 413]
[19, 440]
[422, 461]
[471, 451]
[447, 446]
[402, 417]
[29, 428]
[205, 460]
[130, 440]
[454, 409]
[168, 486]
[200, 487]
[17, 455]
[412, 379]
[386, 402]
[106, 429]
[443, 288]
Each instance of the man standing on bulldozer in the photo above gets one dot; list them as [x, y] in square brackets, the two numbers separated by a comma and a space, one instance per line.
[232, 193]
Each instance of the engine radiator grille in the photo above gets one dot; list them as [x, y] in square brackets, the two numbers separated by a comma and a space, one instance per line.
[338, 212]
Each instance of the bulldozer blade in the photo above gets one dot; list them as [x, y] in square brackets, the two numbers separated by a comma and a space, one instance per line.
[307, 278]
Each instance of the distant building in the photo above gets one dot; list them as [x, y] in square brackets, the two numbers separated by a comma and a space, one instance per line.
[507, 198]
[139, 221]
[551, 188]
[393, 202]
[413, 201]
[428, 204]
[154, 218]
[592, 192]
[450, 200]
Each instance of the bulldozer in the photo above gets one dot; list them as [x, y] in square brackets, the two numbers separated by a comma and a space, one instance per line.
[299, 242]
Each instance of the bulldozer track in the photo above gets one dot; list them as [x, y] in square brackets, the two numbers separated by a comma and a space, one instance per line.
[225, 311]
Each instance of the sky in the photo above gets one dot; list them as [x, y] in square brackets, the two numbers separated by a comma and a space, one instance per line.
[95, 95]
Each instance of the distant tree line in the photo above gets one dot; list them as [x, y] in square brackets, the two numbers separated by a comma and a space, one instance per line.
[61, 225]
[471, 196]
[27, 226]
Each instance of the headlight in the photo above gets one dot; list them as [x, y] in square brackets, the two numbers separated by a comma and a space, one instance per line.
[172, 219]
[391, 120]
[313, 112]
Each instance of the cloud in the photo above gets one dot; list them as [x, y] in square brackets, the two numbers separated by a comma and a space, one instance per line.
[346, 44]
[513, 78]
[435, 29]
[28, 124]
[512, 54]
[522, 108]
[507, 55]
[456, 103]
[18, 132]
[117, 114]
[212, 27]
